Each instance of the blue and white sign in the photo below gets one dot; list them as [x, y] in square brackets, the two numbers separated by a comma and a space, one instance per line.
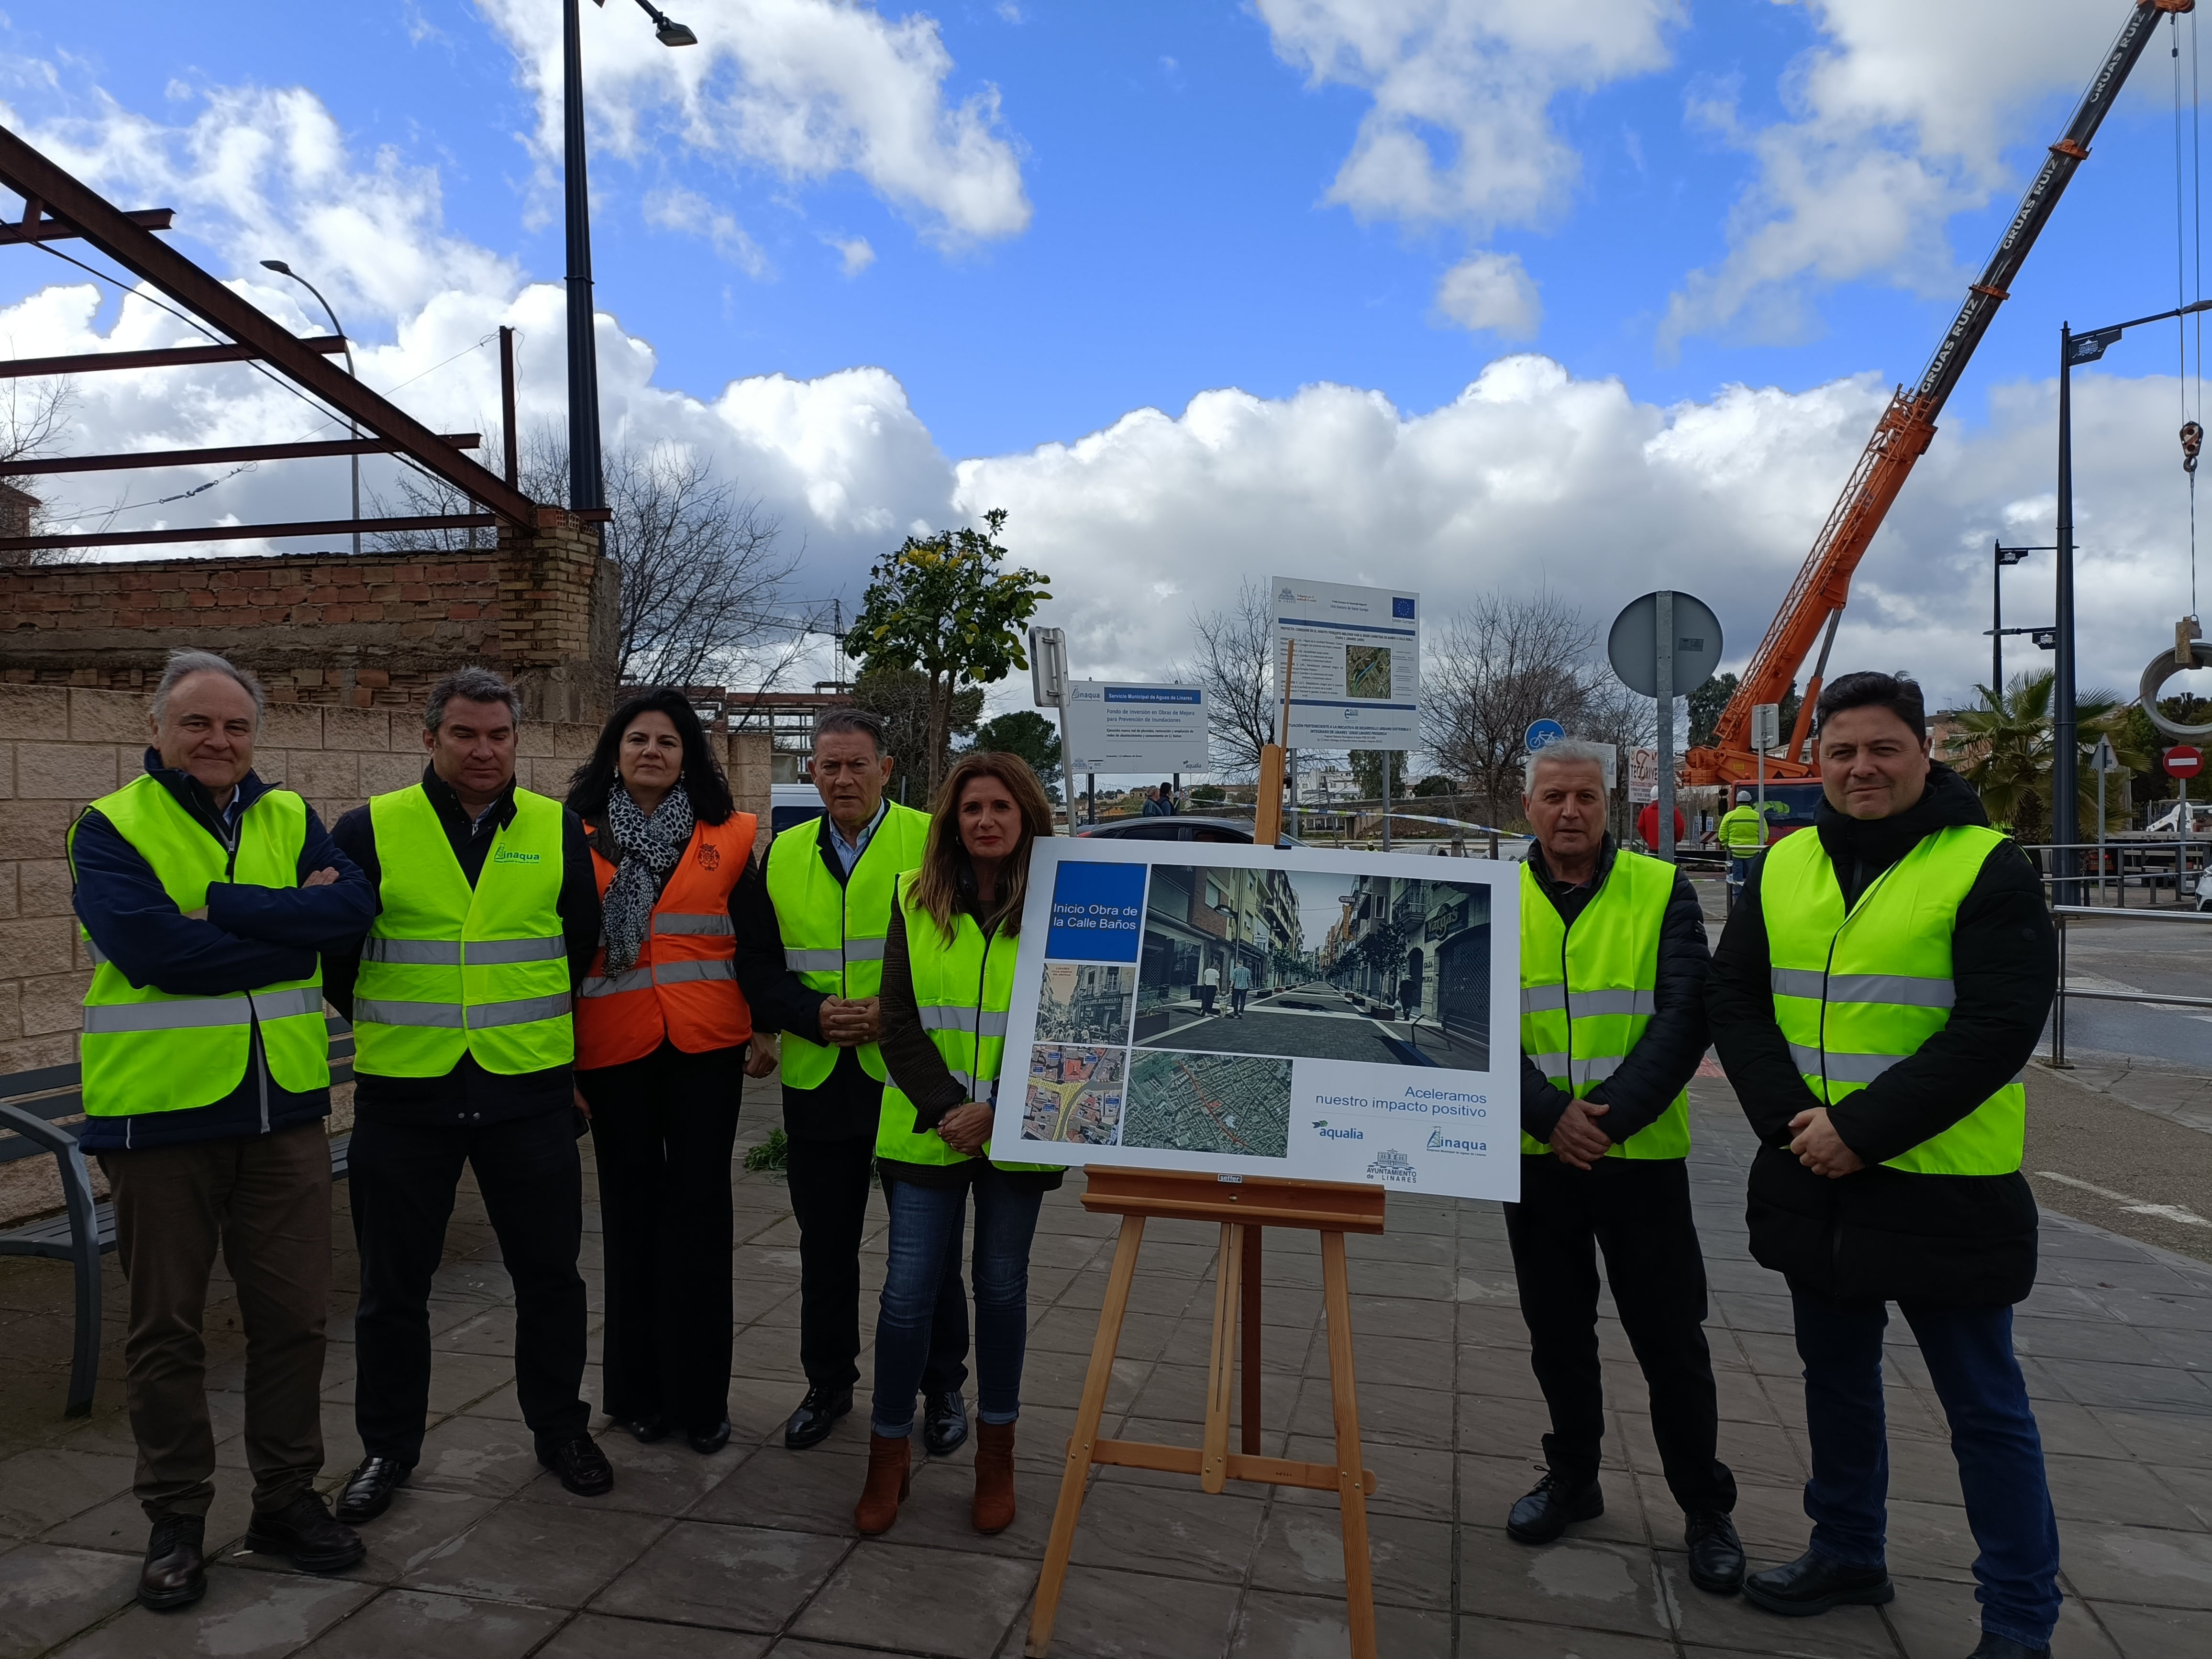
[1153, 730]
[1355, 676]
[1542, 734]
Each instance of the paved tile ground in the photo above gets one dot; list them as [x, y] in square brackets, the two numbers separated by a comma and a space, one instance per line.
[750, 1552]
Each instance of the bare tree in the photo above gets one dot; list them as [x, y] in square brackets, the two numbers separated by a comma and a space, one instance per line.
[702, 572]
[35, 419]
[1504, 662]
[1235, 667]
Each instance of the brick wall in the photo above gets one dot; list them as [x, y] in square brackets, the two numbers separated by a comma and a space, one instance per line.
[61, 748]
[329, 628]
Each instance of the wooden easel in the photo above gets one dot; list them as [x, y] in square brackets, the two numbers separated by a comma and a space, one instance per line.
[1243, 1208]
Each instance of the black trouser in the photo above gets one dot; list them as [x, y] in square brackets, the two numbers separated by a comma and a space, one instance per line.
[404, 1176]
[1637, 1212]
[829, 1184]
[1237, 995]
[662, 1130]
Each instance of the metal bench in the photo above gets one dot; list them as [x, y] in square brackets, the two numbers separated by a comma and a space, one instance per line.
[32, 1107]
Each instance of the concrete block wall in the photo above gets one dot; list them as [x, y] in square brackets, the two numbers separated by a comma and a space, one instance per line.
[63, 747]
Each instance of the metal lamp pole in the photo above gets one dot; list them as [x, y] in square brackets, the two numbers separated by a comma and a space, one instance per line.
[586, 484]
[2066, 762]
[283, 270]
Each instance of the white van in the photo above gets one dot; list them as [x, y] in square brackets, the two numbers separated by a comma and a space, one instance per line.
[792, 803]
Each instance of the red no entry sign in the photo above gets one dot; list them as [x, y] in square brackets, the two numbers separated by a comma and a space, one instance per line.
[2183, 763]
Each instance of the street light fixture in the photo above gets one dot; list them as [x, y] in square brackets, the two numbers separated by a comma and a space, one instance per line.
[2066, 762]
[2006, 558]
[283, 270]
[586, 484]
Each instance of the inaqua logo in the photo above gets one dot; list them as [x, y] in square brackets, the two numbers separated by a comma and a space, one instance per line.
[1441, 1142]
[509, 855]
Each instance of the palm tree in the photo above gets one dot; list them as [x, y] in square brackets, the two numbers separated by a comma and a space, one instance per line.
[2004, 749]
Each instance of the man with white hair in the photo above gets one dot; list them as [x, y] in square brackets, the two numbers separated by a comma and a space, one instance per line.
[205, 895]
[1613, 971]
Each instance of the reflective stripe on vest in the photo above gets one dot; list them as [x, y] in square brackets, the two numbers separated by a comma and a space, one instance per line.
[1587, 991]
[146, 1051]
[833, 932]
[683, 986]
[1855, 991]
[449, 969]
[962, 989]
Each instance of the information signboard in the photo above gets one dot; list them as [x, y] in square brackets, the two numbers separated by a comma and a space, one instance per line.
[1155, 729]
[1316, 1015]
[1355, 678]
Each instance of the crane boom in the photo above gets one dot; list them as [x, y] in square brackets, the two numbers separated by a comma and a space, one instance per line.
[1902, 435]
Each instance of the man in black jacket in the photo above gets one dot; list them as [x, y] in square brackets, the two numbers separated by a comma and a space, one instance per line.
[1873, 999]
[517, 1131]
[1612, 972]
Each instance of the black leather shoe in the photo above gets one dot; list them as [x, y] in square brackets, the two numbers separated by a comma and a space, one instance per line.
[303, 1531]
[2003, 1647]
[643, 1430]
[367, 1491]
[707, 1442]
[1545, 1513]
[1813, 1583]
[810, 1424]
[582, 1466]
[943, 1423]
[175, 1575]
[1715, 1552]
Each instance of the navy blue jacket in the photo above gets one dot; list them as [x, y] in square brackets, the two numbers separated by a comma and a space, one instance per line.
[253, 936]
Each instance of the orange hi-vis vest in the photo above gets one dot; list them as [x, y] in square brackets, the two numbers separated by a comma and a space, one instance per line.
[683, 986]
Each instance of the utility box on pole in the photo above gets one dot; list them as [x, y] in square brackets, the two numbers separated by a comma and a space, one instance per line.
[1048, 683]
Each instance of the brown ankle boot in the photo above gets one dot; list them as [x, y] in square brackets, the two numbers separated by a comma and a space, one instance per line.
[994, 1477]
[889, 1478]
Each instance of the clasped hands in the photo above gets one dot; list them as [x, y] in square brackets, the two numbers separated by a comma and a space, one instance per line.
[1576, 1139]
[965, 1128]
[848, 1022]
[1819, 1148]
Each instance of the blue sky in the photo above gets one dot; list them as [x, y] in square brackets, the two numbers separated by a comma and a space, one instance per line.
[1120, 207]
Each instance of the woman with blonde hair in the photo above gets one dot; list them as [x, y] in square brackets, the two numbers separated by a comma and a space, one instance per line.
[948, 981]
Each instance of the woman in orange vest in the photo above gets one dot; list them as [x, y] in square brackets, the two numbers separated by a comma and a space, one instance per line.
[662, 1031]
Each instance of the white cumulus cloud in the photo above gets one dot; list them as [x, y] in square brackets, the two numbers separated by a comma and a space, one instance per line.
[1491, 292]
[808, 88]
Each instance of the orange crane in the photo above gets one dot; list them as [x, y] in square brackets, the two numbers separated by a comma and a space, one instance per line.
[1907, 427]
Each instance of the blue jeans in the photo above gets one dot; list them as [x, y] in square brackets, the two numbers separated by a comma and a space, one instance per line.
[927, 1224]
[1993, 1435]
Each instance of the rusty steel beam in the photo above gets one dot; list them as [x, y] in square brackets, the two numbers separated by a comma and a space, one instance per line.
[52, 230]
[149, 458]
[238, 532]
[137, 250]
[16, 368]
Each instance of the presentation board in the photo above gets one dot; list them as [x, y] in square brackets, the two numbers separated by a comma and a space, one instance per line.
[1355, 681]
[1155, 729]
[1309, 1014]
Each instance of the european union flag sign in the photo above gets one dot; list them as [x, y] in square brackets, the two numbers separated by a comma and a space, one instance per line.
[1097, 913]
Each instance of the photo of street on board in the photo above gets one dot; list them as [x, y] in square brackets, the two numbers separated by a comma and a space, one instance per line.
[1314, 963]
[1074, 1093]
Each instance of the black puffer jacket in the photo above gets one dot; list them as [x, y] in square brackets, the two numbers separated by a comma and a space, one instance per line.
[1880, 1232]
[1666, 1056]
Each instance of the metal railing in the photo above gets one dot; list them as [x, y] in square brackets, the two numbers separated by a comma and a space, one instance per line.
[2060, 914]
[2109, 872]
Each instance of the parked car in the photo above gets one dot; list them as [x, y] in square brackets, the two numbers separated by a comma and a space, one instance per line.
[792, 803]
[1180, 826]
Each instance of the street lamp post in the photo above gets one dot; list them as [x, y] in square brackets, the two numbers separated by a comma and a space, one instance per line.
[283, 270]
[2065, 761]
[586, 485]
[2006, 558]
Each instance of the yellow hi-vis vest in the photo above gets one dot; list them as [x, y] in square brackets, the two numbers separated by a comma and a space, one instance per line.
[1855, 991]
[449, 969]
[833, 932]
[1742, 829]
[145, 1050]
[963, 990]
[1588, 991]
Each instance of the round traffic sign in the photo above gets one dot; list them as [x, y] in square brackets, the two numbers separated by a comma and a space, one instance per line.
[2183, 762]
[1542, 734]
[1633, 645]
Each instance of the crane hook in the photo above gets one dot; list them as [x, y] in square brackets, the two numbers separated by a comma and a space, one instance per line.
[2192, 440]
